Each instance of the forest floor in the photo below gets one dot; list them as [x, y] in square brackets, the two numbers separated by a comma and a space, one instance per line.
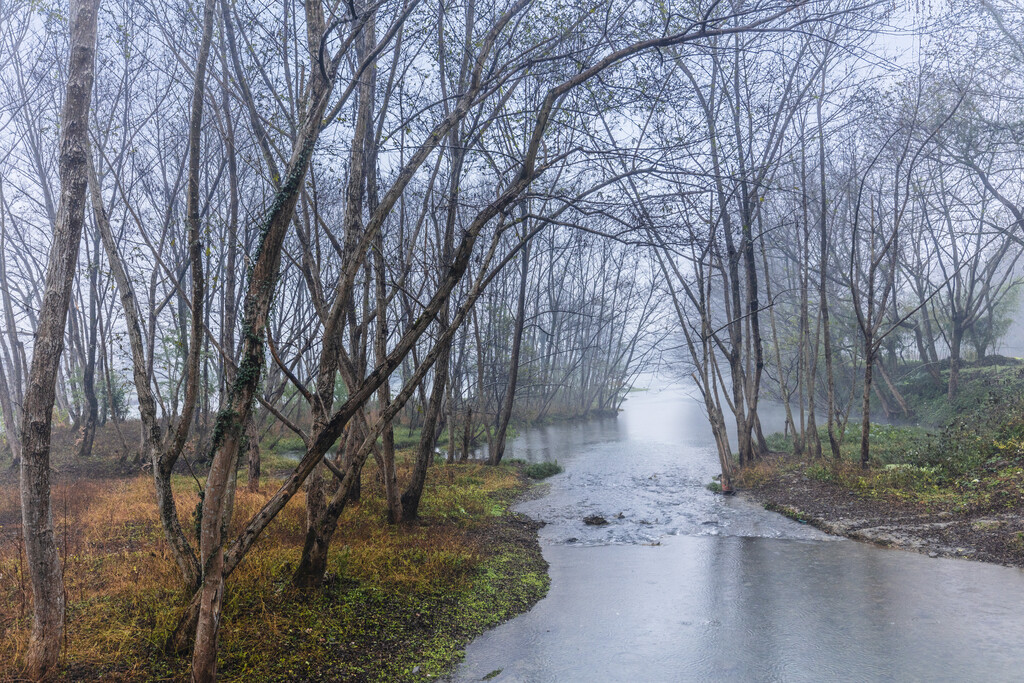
[955, 489]
[400, 603]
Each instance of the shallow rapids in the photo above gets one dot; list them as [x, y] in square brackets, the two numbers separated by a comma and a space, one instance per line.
[684, 585]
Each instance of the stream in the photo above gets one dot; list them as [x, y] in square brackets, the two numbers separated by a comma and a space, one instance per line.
[685, 585]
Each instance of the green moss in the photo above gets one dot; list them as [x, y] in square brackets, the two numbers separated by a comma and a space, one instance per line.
[787, 511]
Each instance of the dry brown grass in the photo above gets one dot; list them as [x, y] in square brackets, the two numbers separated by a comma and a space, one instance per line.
[123, 588]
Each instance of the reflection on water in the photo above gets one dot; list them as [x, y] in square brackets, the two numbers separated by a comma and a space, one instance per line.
[732, 592]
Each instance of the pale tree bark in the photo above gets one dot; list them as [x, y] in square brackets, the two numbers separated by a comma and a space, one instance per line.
[161, 455]
[163, 450]
[313, 562]
[10, 386]
[37, 520]
[380, 350]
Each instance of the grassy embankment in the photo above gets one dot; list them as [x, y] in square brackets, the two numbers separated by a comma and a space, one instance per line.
[968, 458]
[400, 603]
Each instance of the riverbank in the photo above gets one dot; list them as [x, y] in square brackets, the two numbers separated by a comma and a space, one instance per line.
[400, 603]
[849, 506]
[953, 490]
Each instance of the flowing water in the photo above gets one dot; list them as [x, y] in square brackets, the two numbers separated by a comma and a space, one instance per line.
[684, 585]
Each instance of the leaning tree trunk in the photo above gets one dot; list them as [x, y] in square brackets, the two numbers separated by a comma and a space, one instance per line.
[238, 405]
[152, 447]
[513, 369]
[428, 437]
[37, 519]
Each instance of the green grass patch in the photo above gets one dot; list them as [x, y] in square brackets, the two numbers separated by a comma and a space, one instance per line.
[543, 470]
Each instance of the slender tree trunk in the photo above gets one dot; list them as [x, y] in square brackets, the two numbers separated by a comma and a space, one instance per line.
[11, 431]
[388, 471]
[91, 416]
[152, 435]
[218, 494]
[955, 344]
[252, 455]
[783, 379]
[237, 407]
[467, 434]
[830, 406]
[513, 367]
[37, 519]
[11, 397]
[428, 437]
[865, 406]
[894, 390]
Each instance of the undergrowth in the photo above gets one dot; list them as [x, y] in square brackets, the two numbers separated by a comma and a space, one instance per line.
[974, 463]
[397, 600]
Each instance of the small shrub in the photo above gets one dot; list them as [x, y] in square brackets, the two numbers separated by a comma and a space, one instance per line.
[822, 472]
[906, 476]
[543, 470]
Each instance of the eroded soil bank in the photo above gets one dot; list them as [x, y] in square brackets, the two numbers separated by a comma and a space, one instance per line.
[935, 529]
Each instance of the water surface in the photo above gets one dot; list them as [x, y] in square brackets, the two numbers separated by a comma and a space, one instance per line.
[683, 585]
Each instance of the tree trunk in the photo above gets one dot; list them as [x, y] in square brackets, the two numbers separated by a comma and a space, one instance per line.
[823, 253]
[152, 444]
[956, 342]
[467, 434]
[428, 437]
[218, 494]
[91, 416]
[11, 430]
[865, 406]
[894, 390]
[252, 456]
[37, 519]
[513, 367]
[313, 563]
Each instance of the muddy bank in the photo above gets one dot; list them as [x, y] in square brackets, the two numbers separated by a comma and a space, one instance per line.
[995, 536]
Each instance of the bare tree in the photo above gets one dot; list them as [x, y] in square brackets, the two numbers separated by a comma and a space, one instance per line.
[37, 518]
